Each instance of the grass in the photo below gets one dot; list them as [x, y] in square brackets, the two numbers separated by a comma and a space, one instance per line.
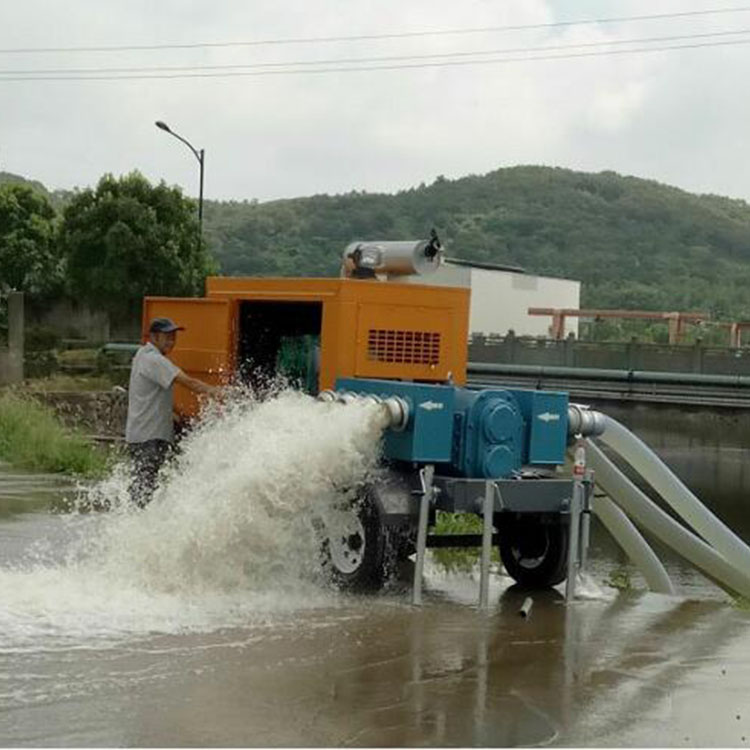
[457, 523]
[740, 602]
[458, 560]
[31, 437]
[620, 579]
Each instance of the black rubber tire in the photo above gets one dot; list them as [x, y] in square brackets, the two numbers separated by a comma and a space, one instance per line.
[372, 571]
[534, 549]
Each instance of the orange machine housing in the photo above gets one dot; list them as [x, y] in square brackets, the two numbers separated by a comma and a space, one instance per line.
[367, 329]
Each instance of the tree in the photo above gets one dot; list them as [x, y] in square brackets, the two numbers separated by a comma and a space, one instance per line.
[128, 239]
[30, 260]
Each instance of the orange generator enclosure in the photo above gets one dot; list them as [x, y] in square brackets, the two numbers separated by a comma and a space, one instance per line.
[363, 328]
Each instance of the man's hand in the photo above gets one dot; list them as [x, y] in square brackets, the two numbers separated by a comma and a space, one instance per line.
[197, 386]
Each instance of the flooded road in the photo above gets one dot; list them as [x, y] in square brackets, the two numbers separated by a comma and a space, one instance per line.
[291, 667]
[636, 671]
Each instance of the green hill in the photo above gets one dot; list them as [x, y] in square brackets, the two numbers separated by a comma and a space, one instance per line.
[8, 178]
[56, 197]
[632, 242]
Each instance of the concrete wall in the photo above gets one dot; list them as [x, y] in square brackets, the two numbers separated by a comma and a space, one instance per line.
[11, 356]
[71, 320]
[126, 330]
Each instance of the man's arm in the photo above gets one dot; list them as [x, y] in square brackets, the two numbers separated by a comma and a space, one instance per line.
[197, 386]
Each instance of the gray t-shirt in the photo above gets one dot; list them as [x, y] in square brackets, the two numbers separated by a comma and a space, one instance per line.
[150, 396]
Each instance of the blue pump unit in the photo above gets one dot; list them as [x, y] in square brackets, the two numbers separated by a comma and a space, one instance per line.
[484, 434]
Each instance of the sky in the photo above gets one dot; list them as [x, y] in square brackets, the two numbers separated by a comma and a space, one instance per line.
[679, 116]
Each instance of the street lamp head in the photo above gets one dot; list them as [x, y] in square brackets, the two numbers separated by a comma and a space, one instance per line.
[162, 126]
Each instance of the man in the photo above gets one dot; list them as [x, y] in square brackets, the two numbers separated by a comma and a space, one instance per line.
[150, 431]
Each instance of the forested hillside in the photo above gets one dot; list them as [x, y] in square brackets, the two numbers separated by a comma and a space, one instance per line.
[633, 243]
[57, 198]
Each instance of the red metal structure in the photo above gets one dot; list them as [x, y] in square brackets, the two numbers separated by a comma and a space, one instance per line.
[676, 320]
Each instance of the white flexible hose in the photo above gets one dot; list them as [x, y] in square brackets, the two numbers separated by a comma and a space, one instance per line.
[652, 518]
[635, 546]
[687, 505]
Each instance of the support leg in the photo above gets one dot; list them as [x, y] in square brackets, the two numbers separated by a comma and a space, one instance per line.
[424, 512]
[484, 571]
[576, 505]
[586, 522]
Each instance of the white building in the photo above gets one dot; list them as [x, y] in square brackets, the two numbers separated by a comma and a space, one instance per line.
[502, 295]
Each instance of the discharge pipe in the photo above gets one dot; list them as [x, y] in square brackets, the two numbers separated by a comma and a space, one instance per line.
[584, 421]
[394, 409]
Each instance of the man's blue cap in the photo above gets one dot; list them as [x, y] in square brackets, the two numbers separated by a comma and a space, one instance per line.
[164, 325]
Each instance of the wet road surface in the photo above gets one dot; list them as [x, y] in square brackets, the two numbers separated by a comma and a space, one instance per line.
[616, 668]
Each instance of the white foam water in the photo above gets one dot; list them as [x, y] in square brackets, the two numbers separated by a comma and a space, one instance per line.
[587, 588]
[229, 537]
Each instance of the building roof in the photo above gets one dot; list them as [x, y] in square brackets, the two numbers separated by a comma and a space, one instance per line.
[487, 266]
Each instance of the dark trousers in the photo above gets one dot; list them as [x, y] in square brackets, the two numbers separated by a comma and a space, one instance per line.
[146, 460]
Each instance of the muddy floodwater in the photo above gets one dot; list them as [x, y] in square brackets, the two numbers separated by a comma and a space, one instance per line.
[620, 667]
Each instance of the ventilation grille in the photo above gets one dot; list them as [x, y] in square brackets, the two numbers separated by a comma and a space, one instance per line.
[403, 347]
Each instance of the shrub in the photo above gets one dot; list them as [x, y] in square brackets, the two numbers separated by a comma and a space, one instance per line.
[31, 437]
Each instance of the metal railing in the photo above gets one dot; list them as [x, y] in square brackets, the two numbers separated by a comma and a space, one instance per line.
[628, 355]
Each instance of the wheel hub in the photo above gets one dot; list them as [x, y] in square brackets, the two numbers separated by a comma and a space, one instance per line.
[346, 541]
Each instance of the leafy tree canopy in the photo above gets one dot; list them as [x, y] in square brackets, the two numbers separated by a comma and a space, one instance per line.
[127, 239]
[29, 257]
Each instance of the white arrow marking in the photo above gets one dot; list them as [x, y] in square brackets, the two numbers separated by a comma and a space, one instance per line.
[431, 405]
[549, 417]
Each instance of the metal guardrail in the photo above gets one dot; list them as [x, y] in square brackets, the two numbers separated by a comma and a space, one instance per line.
[688, 389]
[621, 355]
[595, 373]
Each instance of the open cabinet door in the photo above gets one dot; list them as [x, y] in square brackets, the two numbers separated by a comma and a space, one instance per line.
[205, 349]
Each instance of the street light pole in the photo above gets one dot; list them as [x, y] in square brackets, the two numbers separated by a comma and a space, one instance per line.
[201, 157]
[201, 161]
